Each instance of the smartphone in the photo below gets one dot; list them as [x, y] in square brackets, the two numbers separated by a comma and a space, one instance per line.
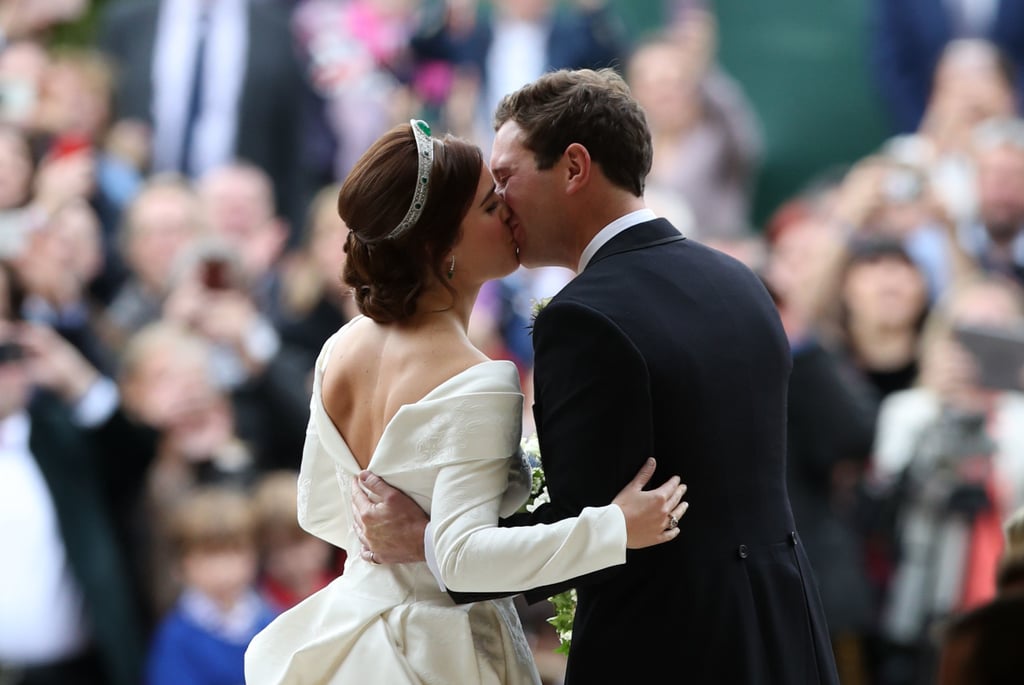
[998, 352]
[215, 273]
[902, 185]
[11, 351]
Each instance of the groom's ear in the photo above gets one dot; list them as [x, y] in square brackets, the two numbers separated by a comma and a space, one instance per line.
[578, 166]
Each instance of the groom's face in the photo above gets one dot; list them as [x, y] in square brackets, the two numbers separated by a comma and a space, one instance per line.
[531, 195]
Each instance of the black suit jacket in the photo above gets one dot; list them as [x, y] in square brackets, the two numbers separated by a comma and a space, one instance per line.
[275, 97]
[665, 347]
[93, 476]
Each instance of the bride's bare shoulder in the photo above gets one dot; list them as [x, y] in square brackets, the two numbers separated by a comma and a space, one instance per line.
[394, 365]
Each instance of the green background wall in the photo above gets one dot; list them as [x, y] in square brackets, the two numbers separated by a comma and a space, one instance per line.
[804, 66]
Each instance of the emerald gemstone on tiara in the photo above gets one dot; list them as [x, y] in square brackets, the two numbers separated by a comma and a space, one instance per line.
[425, 148]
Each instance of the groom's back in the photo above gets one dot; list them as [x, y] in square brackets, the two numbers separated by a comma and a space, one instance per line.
[732, 599]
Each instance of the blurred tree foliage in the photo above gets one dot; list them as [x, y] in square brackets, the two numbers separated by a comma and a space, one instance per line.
[82, 31]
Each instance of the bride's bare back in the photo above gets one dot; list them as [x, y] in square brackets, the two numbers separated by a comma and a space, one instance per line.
[378, 368]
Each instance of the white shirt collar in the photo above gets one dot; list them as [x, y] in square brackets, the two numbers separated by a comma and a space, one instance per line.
[237, 624]
[610, 231]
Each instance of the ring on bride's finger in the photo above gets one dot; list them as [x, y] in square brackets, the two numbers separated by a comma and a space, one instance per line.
[673, 522]
[373, 559]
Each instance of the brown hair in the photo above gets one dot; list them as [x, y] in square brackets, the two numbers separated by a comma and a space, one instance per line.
[592, 108]
[389, 274]
[212, 517]
[275, 499]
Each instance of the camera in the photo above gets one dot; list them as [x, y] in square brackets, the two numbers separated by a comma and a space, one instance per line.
[902, 186]
[10, 352]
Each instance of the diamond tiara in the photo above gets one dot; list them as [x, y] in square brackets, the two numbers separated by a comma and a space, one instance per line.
[425, 159]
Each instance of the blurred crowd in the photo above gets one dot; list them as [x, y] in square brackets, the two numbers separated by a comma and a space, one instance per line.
[170, 255]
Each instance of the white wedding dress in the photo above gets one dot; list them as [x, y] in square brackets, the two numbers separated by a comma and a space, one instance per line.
[452, 452]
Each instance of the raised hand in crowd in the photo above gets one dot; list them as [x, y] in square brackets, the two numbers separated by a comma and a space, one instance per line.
[54, 363]
[26, 18]
[64, 175]
[950, 372]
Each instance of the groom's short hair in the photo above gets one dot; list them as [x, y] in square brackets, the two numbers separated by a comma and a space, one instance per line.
[593, 108]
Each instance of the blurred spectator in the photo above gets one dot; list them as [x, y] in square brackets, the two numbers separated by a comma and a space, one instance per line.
[17, 169]
[490, 49]
[293, 563]
[56, 266]
[706, 135]
[315, 302]
[807, 250]
[882, 302]
[237, 201]
[951, 453]
[35, 18]
[358, 58]
[165, 382]
[883, 196]
[161, 221]
[263, 376]
[982, 646]
[216, 81]
[973, 82]
[70, 609]
[77, 103]
[1010, 574]
[907, 39]
[23, 65]
[993, 237]
[19, 218]
[203, 638]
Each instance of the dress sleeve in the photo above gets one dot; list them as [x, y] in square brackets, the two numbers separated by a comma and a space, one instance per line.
[321, 499]
[474, 555]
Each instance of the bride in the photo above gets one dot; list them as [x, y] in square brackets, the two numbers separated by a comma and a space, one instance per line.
[402, 388]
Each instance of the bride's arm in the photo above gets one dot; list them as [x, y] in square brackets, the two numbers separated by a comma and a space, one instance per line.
[473, 554]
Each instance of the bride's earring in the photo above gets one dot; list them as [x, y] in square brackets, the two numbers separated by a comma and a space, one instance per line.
[451, 268]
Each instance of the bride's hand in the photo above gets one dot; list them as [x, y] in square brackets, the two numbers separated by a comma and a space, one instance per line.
[652, 516]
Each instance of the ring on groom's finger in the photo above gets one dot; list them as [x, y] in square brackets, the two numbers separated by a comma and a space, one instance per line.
[673, 522]
[373, 559]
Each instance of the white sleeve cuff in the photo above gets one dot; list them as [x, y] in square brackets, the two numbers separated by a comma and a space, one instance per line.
[97, 404]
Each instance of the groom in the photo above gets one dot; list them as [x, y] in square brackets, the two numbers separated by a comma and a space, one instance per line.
[659, 346]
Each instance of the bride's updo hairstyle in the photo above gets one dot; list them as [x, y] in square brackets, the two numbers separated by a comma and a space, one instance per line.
[390, 259]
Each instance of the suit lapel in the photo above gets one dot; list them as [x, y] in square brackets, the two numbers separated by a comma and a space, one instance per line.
[639, 237]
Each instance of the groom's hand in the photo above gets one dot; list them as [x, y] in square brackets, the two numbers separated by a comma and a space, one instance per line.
[388, 522]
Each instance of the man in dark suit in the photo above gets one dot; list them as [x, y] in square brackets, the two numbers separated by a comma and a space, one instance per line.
[659, 346]
[908, 37]
[218, 81]
[71, 464]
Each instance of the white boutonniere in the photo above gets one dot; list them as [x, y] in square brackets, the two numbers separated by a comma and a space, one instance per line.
[538, 305]
[563, 603]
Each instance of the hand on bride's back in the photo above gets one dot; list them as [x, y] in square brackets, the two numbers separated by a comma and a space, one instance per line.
[652, 516]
